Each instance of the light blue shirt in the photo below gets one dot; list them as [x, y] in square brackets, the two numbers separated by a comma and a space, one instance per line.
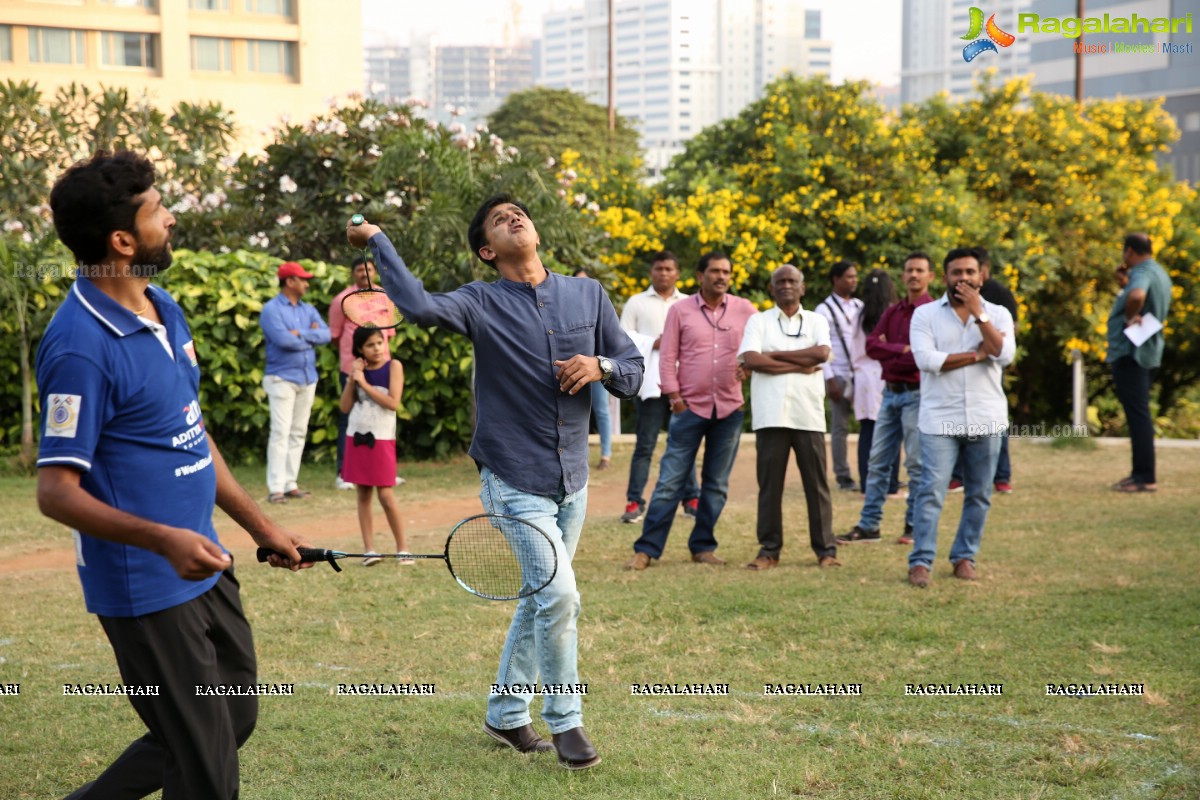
[968, 401]
[289, 356]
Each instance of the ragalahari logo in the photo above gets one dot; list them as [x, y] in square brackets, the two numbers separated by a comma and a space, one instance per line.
[995, 36]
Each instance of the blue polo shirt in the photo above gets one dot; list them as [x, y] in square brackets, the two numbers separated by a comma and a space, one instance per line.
[125, 413]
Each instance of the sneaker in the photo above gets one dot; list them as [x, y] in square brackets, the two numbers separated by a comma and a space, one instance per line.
[345, 486]
[906, 538]
[372, 559]
[848, 487]
[955, 486]
[857, 534]
[634, 512]
[404, 559]
[399, 481]
[1003, 487]
[691, 507]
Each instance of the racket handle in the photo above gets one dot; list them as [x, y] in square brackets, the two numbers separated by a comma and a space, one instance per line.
[307, 555]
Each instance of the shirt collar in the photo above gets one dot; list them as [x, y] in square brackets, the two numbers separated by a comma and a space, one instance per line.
[111, 314]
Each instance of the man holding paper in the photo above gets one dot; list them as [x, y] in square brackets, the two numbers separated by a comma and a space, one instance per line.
[1135, 348]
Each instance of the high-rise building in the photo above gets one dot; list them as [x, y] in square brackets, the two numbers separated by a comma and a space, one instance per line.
[1171, 72]
[932, 44]
[680, 65]
[260, 58]
[474, 78]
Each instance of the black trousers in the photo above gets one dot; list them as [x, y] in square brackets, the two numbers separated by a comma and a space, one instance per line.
[774, 446]
[1132, 383]
[191, 749]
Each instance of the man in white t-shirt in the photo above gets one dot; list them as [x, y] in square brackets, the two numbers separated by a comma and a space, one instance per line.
[644, 317]
[842, 311]
[784, 348]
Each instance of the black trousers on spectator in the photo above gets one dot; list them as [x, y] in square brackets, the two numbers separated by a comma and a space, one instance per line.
[774, 446]
[191, 749]
[1132, 382]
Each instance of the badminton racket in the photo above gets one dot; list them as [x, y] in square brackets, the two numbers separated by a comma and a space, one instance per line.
[492, 556]
[370, 307]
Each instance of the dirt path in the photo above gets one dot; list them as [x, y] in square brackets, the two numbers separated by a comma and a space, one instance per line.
[426, 521]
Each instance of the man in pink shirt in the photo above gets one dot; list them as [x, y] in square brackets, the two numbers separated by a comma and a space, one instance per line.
[698, 372]
[341, 331]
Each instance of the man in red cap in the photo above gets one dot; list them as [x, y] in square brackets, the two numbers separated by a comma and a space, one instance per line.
[292, 328]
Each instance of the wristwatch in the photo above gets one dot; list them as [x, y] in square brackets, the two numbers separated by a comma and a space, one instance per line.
[606, 369]
[982, 318]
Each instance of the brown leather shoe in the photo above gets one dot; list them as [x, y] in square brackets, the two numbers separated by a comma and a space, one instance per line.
[574, 749]
[828, 561]
[964, 570]
[763, 562]
[708, 557]
[918, 576]
[639, 562]
[523, 739]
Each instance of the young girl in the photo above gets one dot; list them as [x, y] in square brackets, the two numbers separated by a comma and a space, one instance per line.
[371, 398]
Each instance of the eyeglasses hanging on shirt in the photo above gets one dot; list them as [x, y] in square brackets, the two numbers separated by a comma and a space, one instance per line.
[784, 328]
[716, 323]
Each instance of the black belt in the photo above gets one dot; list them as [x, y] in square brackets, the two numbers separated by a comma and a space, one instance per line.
[897, 386]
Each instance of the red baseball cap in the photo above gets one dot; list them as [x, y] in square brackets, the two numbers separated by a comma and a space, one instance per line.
[290, 269]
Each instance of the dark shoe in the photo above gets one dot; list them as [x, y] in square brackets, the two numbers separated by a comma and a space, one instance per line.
[574, 749]
[277, 497]
[918, 576]
[1135, 488]
[906, 538]
[1122, 482]
[639, 562]
[857, 534]
[955, 486]
[762, 563]
[634, 512]
[523, 739]
[848, 487]
[828, 561]
[691, 507]
[298, 494]
[964, 570]
[708, 557]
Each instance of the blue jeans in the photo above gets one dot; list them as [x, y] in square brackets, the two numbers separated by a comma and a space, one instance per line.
[600, 397]
[721, 438]
[651, 414]
[542, 641]
[1003, 465]
[895, 423]
[938, 454]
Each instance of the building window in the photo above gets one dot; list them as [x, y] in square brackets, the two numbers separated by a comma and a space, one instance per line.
[129, 50]
[149, 5]
[279, 8]
[1191, 120]
[55, 46]
[212, 55]
[270, 57]
[5, 43]
[208, 5]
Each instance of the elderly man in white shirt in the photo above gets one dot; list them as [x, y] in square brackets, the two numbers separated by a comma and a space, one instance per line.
[644, 317]
[784, 348]
[961, 344]
[843, 311]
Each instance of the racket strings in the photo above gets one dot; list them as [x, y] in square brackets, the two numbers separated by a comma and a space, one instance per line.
[501, 557]
[371, 308]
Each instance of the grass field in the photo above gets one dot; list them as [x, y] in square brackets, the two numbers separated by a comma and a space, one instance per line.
[1078, 585]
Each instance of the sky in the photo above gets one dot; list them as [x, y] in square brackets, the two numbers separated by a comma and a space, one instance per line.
[865, 33]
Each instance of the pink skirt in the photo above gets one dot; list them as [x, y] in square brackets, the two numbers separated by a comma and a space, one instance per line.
[370, 466]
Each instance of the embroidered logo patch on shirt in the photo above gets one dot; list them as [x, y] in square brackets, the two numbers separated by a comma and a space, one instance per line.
[63, 417]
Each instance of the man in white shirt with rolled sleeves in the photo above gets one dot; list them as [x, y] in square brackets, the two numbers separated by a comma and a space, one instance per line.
[784, 348]
[961, 344]
[843, 311]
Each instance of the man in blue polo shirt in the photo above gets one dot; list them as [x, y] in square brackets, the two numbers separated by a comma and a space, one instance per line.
[126, 462]
[292, 329]
[540, 338]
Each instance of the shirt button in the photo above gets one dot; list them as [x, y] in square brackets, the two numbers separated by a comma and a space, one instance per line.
[541, 305]
[550, 332]
[560, 422]
[560, 451]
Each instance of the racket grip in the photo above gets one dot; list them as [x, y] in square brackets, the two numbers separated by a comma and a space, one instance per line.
[307, 554]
